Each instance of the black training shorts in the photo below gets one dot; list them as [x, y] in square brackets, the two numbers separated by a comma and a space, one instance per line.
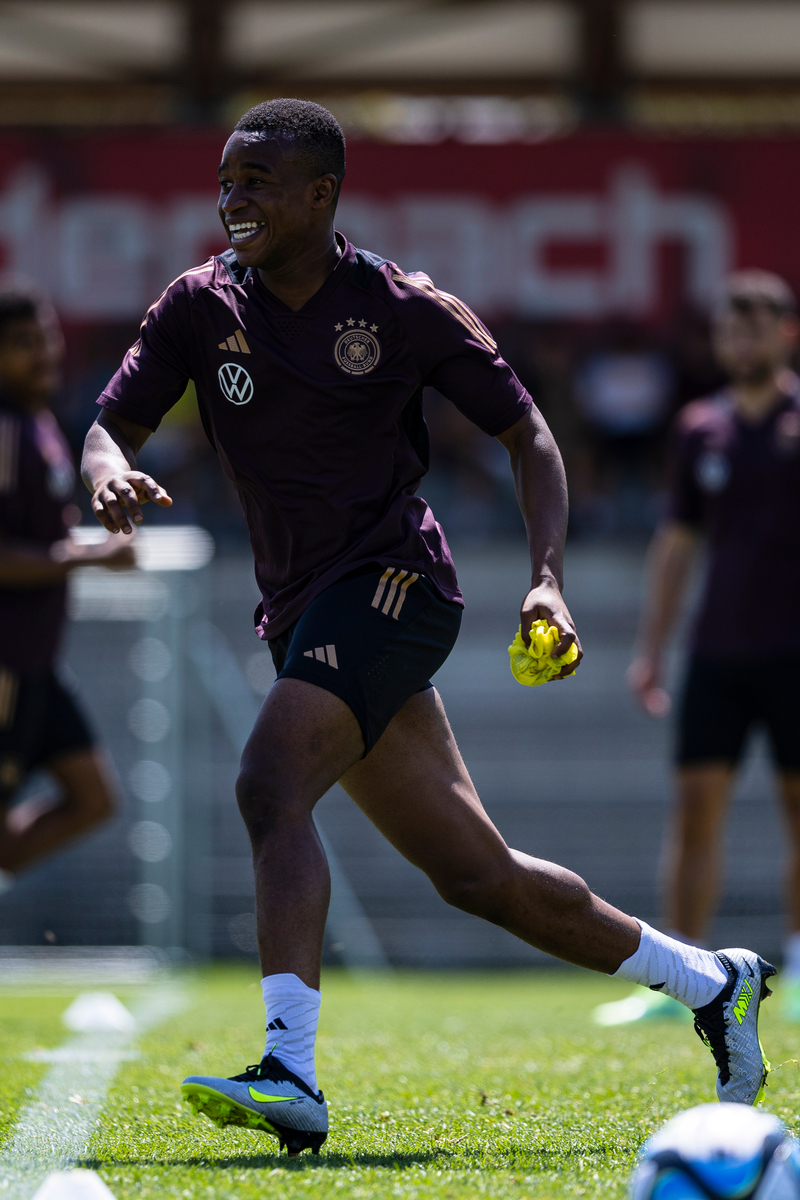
[373, 638]
[724, 699]
[39, 721]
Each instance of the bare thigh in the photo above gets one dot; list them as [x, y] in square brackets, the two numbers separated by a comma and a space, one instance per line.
[304, 738]
[416, 790]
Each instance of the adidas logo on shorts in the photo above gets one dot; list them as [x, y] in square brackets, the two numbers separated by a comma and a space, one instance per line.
[398, 587]
[323, 654]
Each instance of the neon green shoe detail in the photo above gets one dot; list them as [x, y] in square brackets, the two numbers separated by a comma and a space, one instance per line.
[288, 1110]
[266, 1099]
[223, 1111]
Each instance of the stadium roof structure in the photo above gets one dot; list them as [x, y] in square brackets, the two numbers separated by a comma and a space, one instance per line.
[155, 61]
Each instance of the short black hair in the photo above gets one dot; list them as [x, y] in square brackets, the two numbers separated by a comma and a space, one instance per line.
[315, 131]
[15, 305]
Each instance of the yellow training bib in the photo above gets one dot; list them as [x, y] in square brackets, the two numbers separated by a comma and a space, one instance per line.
[533, 665]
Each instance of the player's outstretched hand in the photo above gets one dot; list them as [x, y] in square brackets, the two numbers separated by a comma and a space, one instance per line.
[545, 602]
[127, 491]
[644, 680]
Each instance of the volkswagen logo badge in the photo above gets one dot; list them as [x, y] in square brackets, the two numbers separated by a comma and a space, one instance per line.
[236, 384]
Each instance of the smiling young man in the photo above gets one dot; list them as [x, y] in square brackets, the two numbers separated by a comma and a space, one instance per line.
[309, 358]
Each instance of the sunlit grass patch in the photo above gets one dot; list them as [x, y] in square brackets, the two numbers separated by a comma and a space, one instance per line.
[450, 1086]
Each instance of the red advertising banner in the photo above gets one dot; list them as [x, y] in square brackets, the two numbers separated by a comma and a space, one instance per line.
[580, 228]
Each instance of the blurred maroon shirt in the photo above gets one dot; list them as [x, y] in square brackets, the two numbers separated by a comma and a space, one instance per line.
[317, 415]
[37, 479]
[740, 483]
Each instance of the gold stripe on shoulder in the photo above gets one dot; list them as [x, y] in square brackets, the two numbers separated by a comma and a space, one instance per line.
[192, 271]
[451, 304]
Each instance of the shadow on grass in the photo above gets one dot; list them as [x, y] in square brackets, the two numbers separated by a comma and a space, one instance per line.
[261, 1161]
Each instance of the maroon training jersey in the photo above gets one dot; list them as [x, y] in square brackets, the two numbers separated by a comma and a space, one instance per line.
[317, 415]
[741, 483]
[37, 479]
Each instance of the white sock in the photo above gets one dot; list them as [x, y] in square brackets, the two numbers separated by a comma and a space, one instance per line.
[292, 1016]
[687, 973]
[791, 956]
[677, 936]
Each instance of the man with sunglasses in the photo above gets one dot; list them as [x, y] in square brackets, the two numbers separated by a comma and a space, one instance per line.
[735, 479]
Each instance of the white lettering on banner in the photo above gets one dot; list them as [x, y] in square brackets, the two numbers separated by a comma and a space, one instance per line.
[449, 234]
[105, 247]
[107, 256]
[501, 251]
[535, 224]
[192, 225]
[28, 233]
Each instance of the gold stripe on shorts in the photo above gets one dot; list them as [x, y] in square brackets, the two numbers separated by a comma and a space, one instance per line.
[391, 592]
[401, 598]
[376, 599]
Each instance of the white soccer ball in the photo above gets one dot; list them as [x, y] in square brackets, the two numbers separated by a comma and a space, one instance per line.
[719, 1152]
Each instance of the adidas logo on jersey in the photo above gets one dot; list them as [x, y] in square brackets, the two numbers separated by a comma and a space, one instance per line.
[398, 587]
[236, 343]
[320, 652]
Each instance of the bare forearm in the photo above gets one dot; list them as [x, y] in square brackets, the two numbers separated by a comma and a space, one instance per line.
[541, 488]
[30, 565]
[105, 453]
[669, 560]
[109, 472]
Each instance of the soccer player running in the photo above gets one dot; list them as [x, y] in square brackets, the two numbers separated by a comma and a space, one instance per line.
[735, 479]
[41, 724]
[309, 357]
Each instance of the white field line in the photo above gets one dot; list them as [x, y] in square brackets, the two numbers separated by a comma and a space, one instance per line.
[54, 1130]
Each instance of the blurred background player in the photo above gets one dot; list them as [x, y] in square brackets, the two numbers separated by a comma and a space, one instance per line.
[735, 480]
[41, 724]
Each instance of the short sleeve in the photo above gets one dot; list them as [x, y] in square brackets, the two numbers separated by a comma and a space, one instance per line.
[156, 370]
[685, 500]
[458, 356]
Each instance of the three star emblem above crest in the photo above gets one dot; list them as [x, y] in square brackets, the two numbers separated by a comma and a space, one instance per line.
[351, 321]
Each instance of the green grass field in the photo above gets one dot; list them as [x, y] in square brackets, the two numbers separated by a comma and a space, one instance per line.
[439, 1086]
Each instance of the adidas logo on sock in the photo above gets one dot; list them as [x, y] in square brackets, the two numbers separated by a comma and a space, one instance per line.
[276, 1024]
[320, 652]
